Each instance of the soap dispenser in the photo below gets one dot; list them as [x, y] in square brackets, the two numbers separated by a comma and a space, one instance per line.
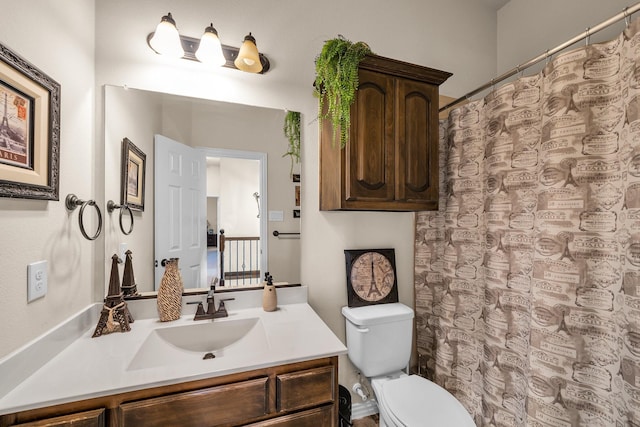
[269, 296]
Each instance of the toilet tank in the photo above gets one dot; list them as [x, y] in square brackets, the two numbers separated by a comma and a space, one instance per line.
[379, 337]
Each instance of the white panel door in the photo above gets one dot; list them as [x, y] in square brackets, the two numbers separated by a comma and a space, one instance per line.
[180, 210]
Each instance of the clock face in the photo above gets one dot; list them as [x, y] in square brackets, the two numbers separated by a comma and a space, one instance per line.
[371, 276]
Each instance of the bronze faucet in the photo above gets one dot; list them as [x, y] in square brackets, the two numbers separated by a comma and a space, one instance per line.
[211, 312]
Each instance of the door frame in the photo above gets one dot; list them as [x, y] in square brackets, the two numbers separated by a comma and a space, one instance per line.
[262, 159]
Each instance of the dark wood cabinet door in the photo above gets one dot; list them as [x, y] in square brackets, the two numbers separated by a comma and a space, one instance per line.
[303, 389]
[324, 416]
[370, 153]
[230, 404]
[95, 418]
[416, 143]
[390, 162]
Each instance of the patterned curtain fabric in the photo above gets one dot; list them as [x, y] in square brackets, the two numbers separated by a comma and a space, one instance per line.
[527, 279]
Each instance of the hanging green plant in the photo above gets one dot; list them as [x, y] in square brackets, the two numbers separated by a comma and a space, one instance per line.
[337, 81]
[291, 130]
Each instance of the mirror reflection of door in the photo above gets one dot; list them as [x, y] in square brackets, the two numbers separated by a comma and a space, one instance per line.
[198, 192]
[180, 210]
[233, 195]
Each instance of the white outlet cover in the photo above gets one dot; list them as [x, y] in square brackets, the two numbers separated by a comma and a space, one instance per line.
[36, 280]
[276, 216]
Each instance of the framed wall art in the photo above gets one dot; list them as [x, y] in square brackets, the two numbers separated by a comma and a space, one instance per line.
[133, 167]
[371, 276]
[29, 130]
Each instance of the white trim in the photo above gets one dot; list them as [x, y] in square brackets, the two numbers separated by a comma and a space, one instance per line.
[364, 409]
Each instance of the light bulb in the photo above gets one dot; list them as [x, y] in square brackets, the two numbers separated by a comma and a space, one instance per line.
[248, 58]
[166, 39]
[210, 50]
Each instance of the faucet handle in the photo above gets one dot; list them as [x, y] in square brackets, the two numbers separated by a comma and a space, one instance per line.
[221, 306]
[222, 310]
[200, 308]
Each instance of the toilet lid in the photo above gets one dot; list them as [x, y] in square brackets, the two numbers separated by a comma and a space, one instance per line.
[416, 401]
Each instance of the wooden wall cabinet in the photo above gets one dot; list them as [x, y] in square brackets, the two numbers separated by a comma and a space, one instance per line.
[390, 162]
[303, 394]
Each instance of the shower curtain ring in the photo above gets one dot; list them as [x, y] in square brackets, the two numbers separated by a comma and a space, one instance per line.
[627, 21]
[586, 40]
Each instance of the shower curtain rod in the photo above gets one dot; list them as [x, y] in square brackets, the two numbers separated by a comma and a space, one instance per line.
[627, 12]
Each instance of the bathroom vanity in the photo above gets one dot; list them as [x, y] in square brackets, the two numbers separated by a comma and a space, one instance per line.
[282, 371]
[298, 394]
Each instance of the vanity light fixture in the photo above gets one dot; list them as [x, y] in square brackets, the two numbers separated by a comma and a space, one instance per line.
[248, 59]
[166, 40]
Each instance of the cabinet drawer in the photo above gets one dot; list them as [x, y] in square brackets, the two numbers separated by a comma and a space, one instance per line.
[318, 417]
[231, 403]
[93, 418]
[304, 389]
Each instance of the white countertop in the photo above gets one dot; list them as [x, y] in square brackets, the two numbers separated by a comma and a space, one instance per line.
[93, 367]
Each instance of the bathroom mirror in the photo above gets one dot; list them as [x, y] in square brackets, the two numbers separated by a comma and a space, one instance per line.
[248, 197]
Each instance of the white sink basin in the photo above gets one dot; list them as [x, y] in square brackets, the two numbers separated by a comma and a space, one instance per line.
[189, 343]
[207, 336]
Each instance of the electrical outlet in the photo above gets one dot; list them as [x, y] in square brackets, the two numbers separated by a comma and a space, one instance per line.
[36, 280]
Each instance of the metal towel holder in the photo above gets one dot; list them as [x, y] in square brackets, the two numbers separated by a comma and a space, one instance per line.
[290, 235]
[111, 205]
[72, 202]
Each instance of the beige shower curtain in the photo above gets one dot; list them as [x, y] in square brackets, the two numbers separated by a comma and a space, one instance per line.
[527, 279]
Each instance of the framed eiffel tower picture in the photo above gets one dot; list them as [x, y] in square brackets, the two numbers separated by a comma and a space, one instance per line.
[371, 276]
[29, 130]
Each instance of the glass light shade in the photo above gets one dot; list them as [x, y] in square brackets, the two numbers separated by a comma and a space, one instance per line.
[248, 58]
[166, 39]
[210, 50]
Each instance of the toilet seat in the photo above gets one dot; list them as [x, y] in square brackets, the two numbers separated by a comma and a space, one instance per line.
[413, 401]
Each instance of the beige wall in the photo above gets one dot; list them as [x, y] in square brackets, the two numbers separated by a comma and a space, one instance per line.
[57, 38]
[136, 117]
[528, 28]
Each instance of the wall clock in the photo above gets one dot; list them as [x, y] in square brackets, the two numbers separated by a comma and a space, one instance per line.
[371, 276]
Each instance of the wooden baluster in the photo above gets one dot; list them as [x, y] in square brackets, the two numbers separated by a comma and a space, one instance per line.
[221, 249]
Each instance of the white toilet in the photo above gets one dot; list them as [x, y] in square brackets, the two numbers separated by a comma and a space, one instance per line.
[379, 341]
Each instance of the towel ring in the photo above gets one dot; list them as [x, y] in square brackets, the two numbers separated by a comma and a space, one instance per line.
[111, 205]
[72, 202]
